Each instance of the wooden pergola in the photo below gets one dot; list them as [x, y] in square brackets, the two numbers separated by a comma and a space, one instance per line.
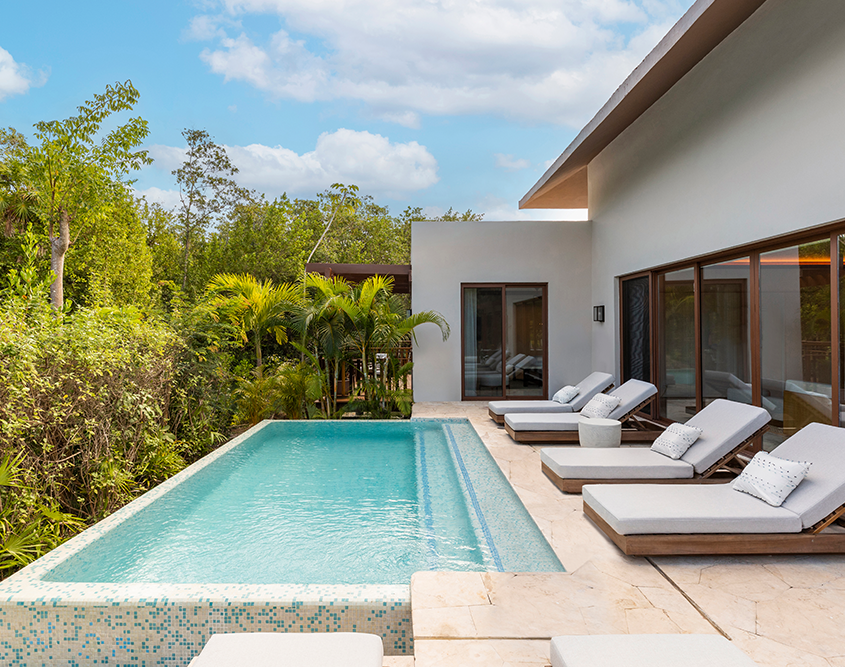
[356, 273]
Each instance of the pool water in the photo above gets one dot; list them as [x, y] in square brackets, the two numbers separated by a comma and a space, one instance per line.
[325, 503]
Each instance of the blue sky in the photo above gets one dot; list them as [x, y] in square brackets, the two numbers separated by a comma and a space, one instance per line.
[430, 103]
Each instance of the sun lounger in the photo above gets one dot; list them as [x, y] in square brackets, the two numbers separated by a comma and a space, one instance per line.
[726, 429]
[563, 427]
[646, 651]
[589, 386]
[668, 519]
[292, 649]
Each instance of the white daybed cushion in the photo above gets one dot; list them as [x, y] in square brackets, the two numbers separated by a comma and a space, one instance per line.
[824, 489]
[566, 394]
[724, 424]
[543, 422]
[590, 386]
[613, 463]
[646, 651]
[600, 406]
[527, 407]
[675, 440]
[631, 393]
[665, 509]
[271, 649]
[771, 478]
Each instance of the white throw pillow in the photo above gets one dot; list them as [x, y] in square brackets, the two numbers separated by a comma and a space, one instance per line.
[771, 478]
[566, 394]
[600, 406]
[676, 440]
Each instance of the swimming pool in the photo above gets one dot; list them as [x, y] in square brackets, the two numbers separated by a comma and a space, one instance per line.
[294, 526]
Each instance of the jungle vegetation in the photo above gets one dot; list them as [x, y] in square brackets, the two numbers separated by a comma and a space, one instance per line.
[135, 339]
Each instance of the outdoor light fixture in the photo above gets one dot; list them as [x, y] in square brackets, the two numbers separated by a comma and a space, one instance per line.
[598, 313]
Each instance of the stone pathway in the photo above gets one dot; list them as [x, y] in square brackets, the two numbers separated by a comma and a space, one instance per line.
[782, 611]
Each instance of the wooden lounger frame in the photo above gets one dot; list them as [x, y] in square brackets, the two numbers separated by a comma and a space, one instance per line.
[810, 541]
[574, 485]
[642, 431]
[500, 419]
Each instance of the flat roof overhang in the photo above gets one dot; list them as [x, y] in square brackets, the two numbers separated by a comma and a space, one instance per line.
[697, 33]
[357, 273]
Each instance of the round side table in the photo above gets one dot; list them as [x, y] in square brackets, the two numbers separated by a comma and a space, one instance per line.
[594, 432]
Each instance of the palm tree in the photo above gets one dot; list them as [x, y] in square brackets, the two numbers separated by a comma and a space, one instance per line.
[378, 326]
[322, 327]
[254, 307]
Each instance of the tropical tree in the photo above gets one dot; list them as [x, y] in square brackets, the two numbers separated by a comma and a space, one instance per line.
[377, 328]
[254, 307]
[70, 175]
[207, 192]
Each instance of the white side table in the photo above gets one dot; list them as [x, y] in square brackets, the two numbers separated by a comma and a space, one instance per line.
[594, 432]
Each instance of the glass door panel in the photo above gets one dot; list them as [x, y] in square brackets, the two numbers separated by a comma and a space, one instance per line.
[525, 341]
[482, 333]
[725, 336]
[636, 331]
[676, 344]
[795, 332]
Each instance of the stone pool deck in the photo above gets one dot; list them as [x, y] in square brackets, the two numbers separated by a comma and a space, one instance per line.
[782, 611]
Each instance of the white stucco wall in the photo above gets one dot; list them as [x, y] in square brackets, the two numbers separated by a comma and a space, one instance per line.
[444, 255]
[749, 145]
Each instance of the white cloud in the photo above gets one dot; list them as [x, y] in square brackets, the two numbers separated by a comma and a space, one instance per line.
[16, 78]
[547, 60]
[370, 161]
[169, 199]
[510, 163]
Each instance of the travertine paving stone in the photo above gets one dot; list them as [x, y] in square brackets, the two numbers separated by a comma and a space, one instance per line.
[782, 611]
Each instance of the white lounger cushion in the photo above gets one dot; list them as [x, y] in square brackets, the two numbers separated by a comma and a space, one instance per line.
[724, 424]
[528, 407]
[589, 386]
[665, 509]
[646, 651]
[823, 491]
[613, 463]
[270, 649]
[632, 393]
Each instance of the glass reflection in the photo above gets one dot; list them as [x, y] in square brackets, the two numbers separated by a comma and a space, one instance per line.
[795, 332]
[483, 341]
[676, 340]
[725, 337]
[525, 336]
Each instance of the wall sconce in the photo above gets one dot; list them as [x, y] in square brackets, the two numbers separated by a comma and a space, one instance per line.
[598, 313]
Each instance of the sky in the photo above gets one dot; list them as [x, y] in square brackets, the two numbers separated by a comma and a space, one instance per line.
[424, 103]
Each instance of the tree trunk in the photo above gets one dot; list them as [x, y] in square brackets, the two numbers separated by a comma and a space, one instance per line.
[58, 249]
[258, 349]
[185, 260]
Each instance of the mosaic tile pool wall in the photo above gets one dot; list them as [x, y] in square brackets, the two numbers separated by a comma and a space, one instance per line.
[87, 624]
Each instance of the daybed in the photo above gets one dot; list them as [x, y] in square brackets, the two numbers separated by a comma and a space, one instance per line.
[668, 519]
[589, 387]
[726, 429]
[635, 394]
[291, 649]
[646, 651]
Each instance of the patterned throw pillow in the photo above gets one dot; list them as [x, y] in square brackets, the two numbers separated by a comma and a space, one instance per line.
[676, 440]
[600, 406]
[771, 478]
[566, 394]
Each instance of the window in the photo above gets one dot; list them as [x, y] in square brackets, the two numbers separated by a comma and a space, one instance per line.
[755, 327]
[504, 341]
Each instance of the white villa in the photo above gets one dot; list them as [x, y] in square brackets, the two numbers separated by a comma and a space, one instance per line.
[712, 260]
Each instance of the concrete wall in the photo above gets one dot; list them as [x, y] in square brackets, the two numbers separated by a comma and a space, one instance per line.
[749, 145]
[444, 255]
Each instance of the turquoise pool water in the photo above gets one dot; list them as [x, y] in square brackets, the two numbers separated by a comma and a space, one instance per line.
[325, 503]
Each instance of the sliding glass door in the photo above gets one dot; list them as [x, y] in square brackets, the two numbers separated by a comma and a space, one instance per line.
[504, 341]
